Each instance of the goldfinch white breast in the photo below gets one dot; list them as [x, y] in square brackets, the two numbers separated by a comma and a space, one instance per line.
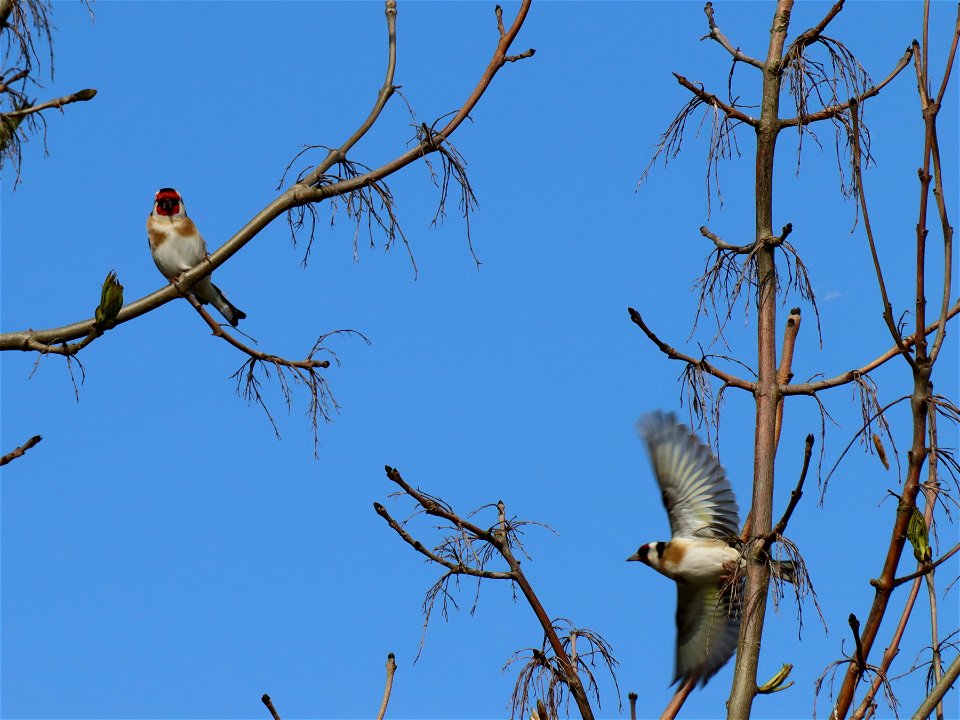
[701, 553]
[177, 246]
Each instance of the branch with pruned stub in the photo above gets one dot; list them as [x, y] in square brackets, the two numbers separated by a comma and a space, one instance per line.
[467, 549]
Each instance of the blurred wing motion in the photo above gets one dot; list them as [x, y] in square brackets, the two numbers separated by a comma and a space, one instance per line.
[695, 490]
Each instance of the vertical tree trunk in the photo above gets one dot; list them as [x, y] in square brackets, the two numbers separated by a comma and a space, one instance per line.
[767, 395]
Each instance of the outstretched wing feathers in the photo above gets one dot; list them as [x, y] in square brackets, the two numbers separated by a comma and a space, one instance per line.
[695, 490]
[708, 626]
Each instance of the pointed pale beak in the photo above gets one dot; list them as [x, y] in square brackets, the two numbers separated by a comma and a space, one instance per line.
[634, 558]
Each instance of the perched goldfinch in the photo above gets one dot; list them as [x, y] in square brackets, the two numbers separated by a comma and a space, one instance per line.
[702, 551]
[177, 246]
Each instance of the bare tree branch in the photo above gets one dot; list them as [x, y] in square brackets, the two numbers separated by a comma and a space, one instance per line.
[928, 567]
[79, 96]
[851, 375]
[702, 364]
[19, 452]
[795, 496]
[714, 101]
[471, 543]
[717, 34]
[840, 108]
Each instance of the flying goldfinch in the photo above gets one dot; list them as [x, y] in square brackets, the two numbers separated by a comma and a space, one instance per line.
[177, 246]
[702, 552]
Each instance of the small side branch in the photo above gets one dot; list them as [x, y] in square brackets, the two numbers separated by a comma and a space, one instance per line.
[79, 96]
[928, 567]
[795, 496]
[838, 109]
[386, 91]
[810, 36]
[721, 245]
[217, 328]
[19, 452]
[717, 35]
[250, 376]
[714, 101]
[702, 364]
[862, 197]
[854, 624]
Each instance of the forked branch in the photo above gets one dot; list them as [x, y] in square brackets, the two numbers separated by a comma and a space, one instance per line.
[467, 550]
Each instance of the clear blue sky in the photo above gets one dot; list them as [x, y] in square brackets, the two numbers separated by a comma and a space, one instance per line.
[164, 555]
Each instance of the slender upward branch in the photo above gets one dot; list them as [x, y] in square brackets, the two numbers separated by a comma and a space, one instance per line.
[717, 34]
[391, 671]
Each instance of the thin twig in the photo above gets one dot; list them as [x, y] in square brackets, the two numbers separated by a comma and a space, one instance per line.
[386, 91]
[714, 101]
[721, 245]
[927, 567]
[79, 96]
[500, 540]
[795, 496]
[785, 370]
[893, 649]
[217, 328]
[702, 364]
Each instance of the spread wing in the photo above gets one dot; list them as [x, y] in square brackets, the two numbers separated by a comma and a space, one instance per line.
[708, 625]
[696, 493]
